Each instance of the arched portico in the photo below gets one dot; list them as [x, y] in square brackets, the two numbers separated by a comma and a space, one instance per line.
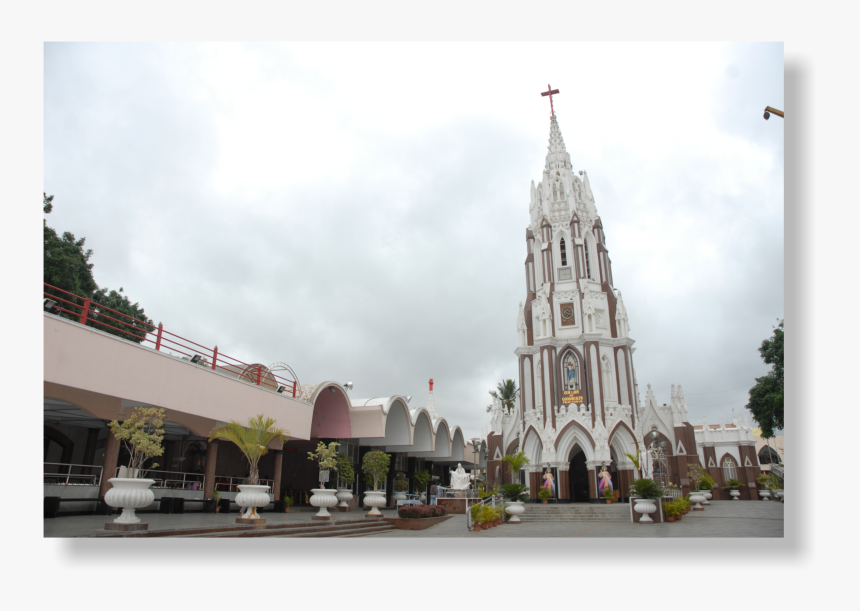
[422, 435]
[330, 419]
[398, 425]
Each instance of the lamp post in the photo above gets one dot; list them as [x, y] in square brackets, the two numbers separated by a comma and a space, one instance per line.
[476, 447]
[768, 110]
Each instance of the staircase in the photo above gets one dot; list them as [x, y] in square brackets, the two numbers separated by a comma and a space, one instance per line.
[340, 528]
[576, 512]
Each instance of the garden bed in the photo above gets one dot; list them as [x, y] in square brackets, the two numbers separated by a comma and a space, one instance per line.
[419, 518]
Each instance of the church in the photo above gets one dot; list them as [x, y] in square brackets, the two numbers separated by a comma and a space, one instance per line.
[579, 409]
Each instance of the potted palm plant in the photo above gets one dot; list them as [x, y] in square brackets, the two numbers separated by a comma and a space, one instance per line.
[375, 466]
[706, 486]
[216, 495]
[253, 441]
[733, 486]
[608, 495]
[326, 457]
[345, 477]
[289, 501]
[515, 504]
[643, 491]
[141, 433]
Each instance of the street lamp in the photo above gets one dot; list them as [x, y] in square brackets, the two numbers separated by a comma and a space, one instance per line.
[768, 110]
[476, 447]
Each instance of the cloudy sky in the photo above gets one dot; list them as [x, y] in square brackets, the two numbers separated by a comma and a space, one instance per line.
[359, 210]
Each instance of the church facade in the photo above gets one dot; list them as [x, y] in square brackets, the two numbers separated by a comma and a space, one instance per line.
[579, 408]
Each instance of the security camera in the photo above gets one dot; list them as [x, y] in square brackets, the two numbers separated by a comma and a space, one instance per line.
[766, 115]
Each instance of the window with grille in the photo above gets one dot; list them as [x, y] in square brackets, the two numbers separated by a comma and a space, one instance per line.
[730, 470]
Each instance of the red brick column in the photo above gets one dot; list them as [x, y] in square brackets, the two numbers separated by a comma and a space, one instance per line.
[563, 484]
[209, 473]
[109, 464]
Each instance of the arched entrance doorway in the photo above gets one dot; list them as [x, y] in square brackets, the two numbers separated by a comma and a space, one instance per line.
[578, 475]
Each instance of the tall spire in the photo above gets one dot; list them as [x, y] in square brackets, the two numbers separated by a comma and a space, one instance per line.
[431, 405]
[557, 157]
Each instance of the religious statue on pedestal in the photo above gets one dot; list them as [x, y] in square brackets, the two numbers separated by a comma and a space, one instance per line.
[460, 480]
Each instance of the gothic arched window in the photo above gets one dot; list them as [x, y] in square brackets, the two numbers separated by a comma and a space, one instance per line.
[586, 246]
[767, 456]
[608, 379]
[563, 249]
[730, 470]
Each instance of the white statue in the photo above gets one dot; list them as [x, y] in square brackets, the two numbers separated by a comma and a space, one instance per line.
[460, 480]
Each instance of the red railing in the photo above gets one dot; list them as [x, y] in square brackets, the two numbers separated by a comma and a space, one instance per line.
[88, 312]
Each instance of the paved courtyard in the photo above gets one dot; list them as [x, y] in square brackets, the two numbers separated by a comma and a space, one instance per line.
[720, 519]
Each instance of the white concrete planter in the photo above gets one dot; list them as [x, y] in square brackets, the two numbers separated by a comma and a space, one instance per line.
[697, 498]
[250, 497]
[735, 494]
[779, 494]
[130, 493]
[323, 498]
[516, 509]
[374, 499]
[764, 495]
[401, 496]
[423, 498]
[708, 496]
[344, 495]
[645, 507]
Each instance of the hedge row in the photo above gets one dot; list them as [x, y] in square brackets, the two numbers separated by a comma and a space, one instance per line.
[430, 511]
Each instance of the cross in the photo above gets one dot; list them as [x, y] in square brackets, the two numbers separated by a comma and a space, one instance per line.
[549, 91]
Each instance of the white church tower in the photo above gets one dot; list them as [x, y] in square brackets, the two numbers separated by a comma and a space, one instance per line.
[578, 391]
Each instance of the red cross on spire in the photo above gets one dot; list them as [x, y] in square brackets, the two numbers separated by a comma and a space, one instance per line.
[550, 91]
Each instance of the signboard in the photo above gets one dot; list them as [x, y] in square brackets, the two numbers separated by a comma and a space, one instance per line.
[571, 396]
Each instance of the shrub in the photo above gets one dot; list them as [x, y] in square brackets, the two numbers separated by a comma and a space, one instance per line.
[645, 488]
[707, 482]
[430, 511]
[515, 492]
[544, 494]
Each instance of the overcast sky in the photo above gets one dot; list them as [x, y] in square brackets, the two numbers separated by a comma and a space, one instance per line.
[359, 210]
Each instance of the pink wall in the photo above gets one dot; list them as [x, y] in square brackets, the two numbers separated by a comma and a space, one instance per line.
[78, 357]
[331, 414]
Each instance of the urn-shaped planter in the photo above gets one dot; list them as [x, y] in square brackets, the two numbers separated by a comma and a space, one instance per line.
[708, 496]
[323, 498]
[423, 498]
[779, 494]
[344, 495]
[764, 495]
[697, 498]
[735, 494]
[645, 507]
[250, 497]
[374, 499]
[516, 509]
[130, 493]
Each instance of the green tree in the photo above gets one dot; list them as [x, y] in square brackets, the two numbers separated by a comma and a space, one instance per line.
[66, 263]
[766, 397]
[67, 266]
[506, 392]
[134, 331]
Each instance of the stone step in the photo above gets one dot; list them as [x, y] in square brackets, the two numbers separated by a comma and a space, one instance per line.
[308, 529]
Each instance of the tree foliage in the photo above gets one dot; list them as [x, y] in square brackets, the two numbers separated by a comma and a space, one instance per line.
[506, 392]
[767, 396]
[67, 266]
[375, 464]
[326, 456]
[516, 462]
[142, 434]
[133, 331]
[253, 440]
[345, 472]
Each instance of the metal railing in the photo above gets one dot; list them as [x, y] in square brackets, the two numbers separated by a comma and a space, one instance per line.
[224, 483]
[491, 500]
[72, 479]
[176, 480]
[87, 312]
